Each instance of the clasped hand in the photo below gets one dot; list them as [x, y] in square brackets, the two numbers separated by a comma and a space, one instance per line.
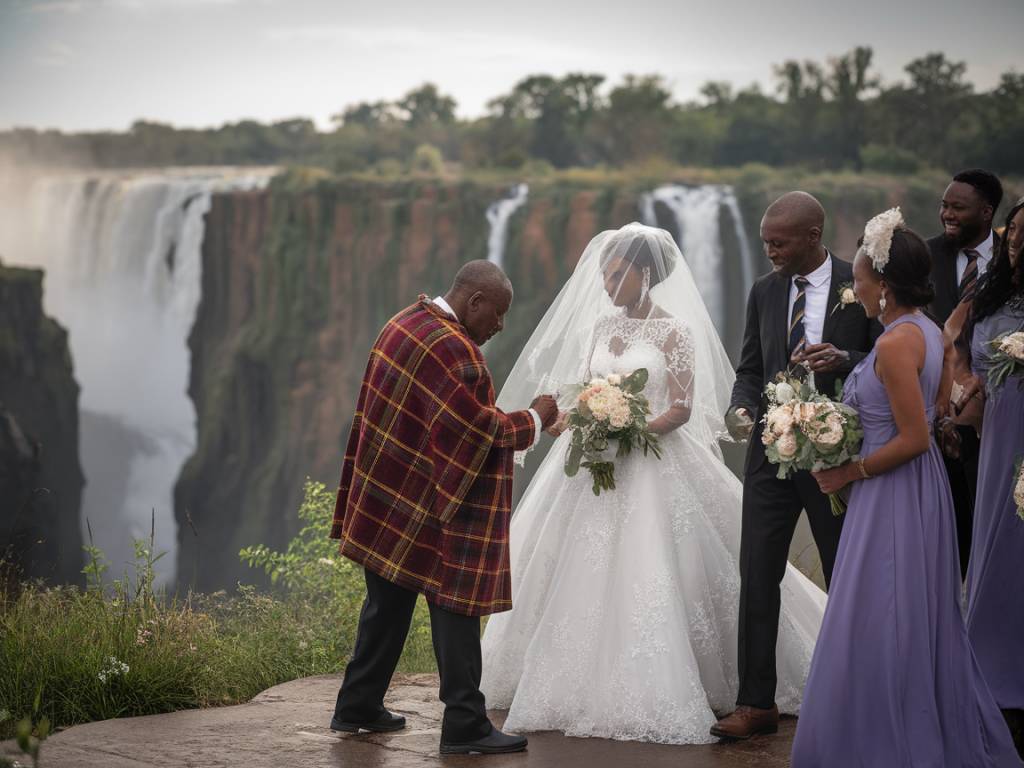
[820, 358]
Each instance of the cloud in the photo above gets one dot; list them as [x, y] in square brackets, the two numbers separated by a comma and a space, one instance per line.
[54, 55]
[77, 6]
[414, 40]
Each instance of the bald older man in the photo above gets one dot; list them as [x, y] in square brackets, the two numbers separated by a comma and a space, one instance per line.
[795, 318]
[424, 504]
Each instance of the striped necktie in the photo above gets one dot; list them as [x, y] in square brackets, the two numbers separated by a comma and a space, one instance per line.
[796, 319]
[970, 278]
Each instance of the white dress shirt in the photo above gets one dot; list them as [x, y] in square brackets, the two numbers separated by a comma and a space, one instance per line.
[537, 423]
[816, 300]
[984, 257]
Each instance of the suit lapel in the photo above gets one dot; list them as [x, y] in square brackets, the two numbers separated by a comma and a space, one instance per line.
[780, 300]
[832, 307]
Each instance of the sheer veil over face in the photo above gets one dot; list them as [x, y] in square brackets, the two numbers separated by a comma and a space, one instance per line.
[635, 274]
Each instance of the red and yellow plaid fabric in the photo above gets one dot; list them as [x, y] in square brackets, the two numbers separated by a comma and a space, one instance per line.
[426, 486]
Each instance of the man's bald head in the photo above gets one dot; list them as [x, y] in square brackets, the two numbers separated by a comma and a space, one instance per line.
[791, 231]
[798, 209]
[481, 294]
[481, 275]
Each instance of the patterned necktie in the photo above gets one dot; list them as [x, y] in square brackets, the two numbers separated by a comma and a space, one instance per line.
[796, 319]
[970, 278]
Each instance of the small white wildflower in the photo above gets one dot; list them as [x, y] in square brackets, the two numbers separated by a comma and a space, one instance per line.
[326, 561]
[303, 645]
[614, 379]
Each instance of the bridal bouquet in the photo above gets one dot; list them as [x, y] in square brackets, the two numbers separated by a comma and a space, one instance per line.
[803, 429]
[1007, 357]
[609, 409]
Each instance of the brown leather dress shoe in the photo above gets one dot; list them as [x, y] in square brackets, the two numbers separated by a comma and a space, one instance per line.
[746, 722]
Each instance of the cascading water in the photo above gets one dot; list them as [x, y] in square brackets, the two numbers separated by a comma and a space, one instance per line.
[696, 221]
[122, 255]
[498, 215]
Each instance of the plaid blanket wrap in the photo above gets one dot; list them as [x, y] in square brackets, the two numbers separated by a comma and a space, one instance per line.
[426, 486]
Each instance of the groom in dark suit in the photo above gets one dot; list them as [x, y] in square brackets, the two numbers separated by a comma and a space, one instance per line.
[796, 315]
[960, 257]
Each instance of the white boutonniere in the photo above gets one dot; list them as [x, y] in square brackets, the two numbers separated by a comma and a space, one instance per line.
[845, 295]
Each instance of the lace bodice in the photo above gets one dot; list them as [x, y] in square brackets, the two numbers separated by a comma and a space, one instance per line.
[662, 345]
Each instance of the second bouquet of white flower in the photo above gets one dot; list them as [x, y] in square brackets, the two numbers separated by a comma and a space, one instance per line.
[804, 430]
[608, 410]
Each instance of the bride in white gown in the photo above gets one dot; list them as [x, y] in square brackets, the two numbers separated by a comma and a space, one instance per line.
[626, 604]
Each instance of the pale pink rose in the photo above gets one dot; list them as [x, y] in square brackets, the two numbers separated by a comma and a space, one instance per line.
[787, 445]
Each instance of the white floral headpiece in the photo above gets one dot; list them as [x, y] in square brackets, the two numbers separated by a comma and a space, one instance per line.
[878, 237]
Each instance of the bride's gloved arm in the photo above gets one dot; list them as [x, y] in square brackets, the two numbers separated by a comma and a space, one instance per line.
[679, 372]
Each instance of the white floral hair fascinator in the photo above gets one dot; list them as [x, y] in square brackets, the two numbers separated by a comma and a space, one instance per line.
[878, 237]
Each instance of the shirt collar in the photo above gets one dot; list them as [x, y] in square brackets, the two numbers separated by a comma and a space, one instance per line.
[445, 306]
[984, 248]
[821, 275]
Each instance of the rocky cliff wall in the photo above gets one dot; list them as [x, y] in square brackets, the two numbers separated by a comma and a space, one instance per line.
[40, 477]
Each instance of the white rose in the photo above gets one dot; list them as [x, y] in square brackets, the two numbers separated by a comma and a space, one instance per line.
[787, 445]
[599, 382]
[848, 296]
[614, 379]
[784, 392]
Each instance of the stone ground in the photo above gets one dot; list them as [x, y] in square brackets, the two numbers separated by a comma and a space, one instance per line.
[288, 726]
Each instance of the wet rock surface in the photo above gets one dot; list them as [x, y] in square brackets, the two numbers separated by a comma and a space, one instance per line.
[288, 725]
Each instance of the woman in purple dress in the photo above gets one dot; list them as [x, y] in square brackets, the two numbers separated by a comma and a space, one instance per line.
[893, 681]
[995, 580]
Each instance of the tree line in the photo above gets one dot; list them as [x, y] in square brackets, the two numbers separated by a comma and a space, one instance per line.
[836, 114]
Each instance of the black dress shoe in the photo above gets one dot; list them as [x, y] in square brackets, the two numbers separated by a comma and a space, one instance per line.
[494, 743]
[385, 723]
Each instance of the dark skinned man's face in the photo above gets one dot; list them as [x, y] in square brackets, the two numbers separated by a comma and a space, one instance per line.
[788, 247]
[966, 217]
[485, 315]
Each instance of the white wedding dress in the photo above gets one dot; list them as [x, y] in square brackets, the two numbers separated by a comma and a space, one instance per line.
[626, 604]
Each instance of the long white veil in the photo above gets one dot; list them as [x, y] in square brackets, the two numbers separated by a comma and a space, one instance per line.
[555, 359]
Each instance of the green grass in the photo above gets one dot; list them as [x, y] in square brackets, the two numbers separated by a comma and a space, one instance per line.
[128, 650]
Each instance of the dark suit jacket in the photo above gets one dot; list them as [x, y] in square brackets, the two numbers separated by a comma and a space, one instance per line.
[947, 293]
[766, 345]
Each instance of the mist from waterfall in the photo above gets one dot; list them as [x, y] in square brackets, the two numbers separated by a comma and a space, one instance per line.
[696, 217]
[122, 254]
[498, 215]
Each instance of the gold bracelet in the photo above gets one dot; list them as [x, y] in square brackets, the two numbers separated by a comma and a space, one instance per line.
[863, 470]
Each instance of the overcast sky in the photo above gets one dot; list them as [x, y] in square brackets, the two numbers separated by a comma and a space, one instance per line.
[101, 64]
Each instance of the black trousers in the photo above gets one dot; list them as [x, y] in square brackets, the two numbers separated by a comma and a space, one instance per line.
[963, 483]
[383, 627]
[771, 509]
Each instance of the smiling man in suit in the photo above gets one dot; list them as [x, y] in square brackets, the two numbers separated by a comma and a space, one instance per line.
[795, 315]
[960, 256]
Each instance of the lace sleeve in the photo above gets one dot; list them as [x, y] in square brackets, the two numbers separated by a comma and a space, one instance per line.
[679, 359]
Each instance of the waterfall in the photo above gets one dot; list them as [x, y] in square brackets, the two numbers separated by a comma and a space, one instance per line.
[723, 276]
[498, 215]
[122, 254]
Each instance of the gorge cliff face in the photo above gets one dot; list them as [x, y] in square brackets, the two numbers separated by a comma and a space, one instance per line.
[297, 280]
[40, 476]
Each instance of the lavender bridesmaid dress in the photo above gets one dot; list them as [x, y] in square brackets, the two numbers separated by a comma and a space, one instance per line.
[893, 681]
[995, 579]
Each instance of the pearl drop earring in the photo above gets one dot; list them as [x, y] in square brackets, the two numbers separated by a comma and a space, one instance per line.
[881, 304]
